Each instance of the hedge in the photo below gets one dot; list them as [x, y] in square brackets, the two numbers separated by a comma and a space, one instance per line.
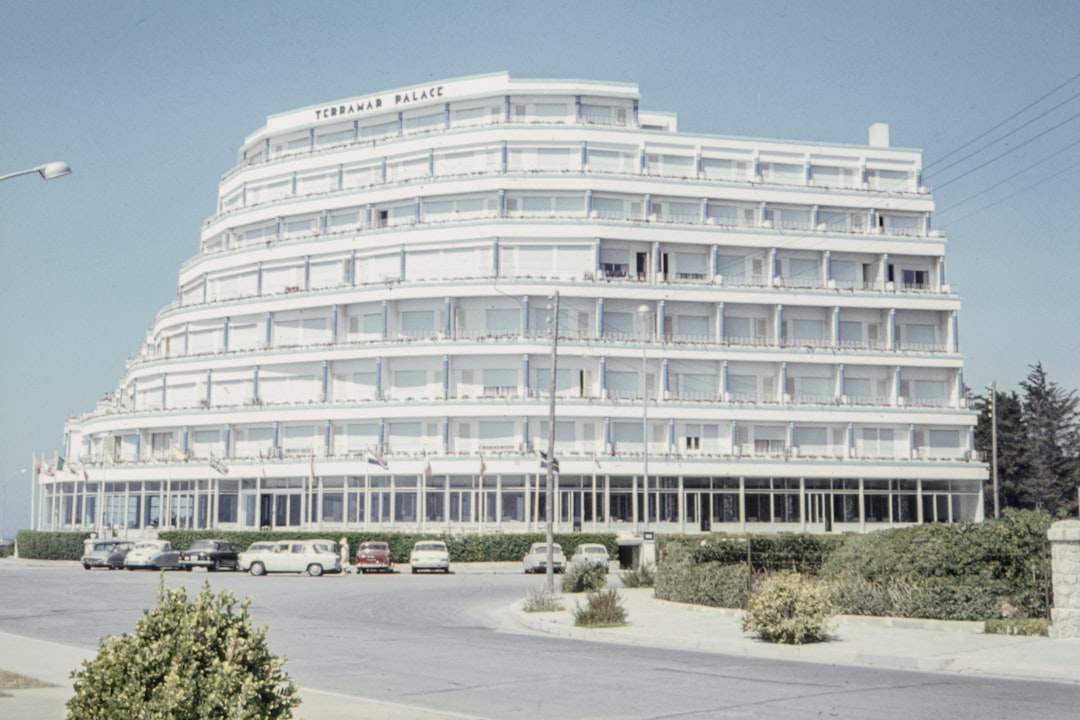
[44, 545]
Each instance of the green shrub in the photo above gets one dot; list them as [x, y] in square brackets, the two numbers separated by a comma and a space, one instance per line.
[584, 577]
[200, 659]
[47, 545]
[640, 577]
[681, 577]
[602, 609]
[1018, 626]
[540, 600]
[789, 609]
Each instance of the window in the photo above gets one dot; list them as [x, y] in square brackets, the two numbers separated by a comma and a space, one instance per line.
[693, 327]
[917, 336]
[859, 390]
[618, 324]
[851, 333]
[915, 279]
[418, 323]
[501, 321]
[731, 267]
[697, 386]
[878, 442]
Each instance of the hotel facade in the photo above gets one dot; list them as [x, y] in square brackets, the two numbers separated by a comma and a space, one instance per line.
[753, 335]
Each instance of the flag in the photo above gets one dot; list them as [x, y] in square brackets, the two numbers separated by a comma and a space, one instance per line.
[427, 468]
[48, 469]
[483, 467]
[59, 462]
[374, 459]
[218, 464]
[312, 470]
[544, 462]
[177, 455]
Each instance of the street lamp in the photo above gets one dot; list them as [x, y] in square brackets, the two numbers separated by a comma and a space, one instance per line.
[549, 494]
[48, 171]
[644, 311]
[3, 499]
[993, 445]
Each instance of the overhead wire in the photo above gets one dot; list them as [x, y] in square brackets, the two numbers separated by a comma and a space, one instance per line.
[1003, 122]
[1032, 186]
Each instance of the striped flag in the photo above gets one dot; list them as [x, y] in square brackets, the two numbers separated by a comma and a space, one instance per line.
[374, 459]
[218, 464]
[544, 462]
[483, 467]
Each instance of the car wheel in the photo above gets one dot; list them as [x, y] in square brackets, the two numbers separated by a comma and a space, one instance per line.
[214, 566]
[314, 570]
[85, 566]
[414, 571]
[257, 569]
[187, 567]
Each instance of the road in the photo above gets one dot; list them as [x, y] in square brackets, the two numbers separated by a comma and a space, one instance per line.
[447, 642]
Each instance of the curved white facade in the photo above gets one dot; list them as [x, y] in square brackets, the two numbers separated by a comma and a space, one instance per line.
[375, 284]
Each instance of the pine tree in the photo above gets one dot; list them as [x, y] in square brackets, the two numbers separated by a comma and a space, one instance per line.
[1052, 423]
[1014, 467]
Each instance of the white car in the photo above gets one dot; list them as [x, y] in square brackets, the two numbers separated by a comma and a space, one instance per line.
[429, 555]
[536, 560]
[590, 554]
[313, 557]
[152, 554]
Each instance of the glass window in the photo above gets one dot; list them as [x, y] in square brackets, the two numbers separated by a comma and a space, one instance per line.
[618, 323]
[417, 322]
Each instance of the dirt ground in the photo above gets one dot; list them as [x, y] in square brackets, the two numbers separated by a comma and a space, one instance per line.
[14, 681]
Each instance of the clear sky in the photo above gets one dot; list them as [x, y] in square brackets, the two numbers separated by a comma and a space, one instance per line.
[149, 102]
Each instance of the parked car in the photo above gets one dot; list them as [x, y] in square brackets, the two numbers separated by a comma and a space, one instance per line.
[374, 556]
[590, 554]
[107, 553]
[210, 554]
[314, 557]
[152, 554]
[429, 555]
[536, 559]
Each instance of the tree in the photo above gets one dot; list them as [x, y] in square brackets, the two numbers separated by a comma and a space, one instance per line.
[1052, 422]
[1012, 451]
[185, 661]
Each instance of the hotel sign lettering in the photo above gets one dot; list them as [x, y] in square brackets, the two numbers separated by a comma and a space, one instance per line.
[380, 102]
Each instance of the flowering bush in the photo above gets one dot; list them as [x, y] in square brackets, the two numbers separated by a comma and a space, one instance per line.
[200, 659]
[789, 609]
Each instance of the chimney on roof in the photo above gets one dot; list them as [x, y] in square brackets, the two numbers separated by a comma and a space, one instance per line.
[879, 135]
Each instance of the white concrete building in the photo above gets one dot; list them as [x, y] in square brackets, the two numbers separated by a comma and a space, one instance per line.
[753, 334]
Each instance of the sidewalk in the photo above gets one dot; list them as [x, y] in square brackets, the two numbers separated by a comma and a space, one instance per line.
[897, 643]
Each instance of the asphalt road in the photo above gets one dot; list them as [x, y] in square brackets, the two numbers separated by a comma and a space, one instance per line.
[446, 642]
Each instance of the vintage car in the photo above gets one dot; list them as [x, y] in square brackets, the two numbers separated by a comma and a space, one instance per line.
[374, 556]
[210, 554]
[429, 555]
[313, 557]
[108, 554]
[590, 554]
[536, 559]
[152, 554]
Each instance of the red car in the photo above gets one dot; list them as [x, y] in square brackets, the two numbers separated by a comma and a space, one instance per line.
[374, 556]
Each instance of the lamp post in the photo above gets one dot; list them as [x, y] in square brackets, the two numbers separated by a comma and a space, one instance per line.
[993, 446]
[549, 494]
[643, 311]
[48, 171]
[3, 499]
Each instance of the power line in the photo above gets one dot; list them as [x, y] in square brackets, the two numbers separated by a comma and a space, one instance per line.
[1046, 179]
[1011, 132]
[1003, 122]
[1051, 156]
[1010, 150]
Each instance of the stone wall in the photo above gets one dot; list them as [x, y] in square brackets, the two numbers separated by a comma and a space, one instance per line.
[1065, 556]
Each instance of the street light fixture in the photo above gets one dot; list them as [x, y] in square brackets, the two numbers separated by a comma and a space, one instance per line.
[48, 171]
[3, 499]
[644, 310]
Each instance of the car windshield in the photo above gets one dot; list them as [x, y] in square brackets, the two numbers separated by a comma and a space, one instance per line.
[431, 546]
[542, 549]
[372, 546]
[204, 545]
[254, 547]
[147, 546]
[597, 550]
[105, 546]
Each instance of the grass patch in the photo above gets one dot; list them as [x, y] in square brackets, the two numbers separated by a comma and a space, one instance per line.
[15, 681]
[1018, 626]
[540, 600]
[602, 609]
[644, 576]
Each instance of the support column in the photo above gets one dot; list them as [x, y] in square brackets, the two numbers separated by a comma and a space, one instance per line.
[1065, 562]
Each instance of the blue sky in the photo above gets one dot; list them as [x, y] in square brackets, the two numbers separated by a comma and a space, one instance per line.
[149, 102]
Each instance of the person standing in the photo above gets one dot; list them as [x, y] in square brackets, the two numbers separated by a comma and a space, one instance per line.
[343, 548]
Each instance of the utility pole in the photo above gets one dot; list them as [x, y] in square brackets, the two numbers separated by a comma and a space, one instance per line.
[549, 495]
[993, 447]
